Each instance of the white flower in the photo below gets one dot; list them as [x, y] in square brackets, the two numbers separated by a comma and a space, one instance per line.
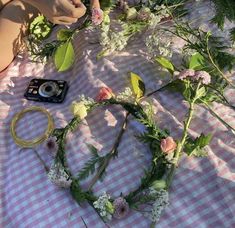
[126, 95]
[79, 109]
[161, 202]
[58, 176]
[104, 206]
[87, 101]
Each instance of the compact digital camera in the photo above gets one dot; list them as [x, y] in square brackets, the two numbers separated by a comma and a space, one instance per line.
[45, 90]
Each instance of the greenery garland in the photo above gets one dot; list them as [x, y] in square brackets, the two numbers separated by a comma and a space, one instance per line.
[151, 197]
[152, 187]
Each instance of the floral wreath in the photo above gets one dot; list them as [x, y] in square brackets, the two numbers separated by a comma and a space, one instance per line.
[152, 191]
[151, 197]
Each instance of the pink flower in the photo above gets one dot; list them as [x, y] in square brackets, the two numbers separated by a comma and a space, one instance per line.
[168, 145]
[204, 76]
[97, 16]
[121, 208]
[105, 93]
[186, 73]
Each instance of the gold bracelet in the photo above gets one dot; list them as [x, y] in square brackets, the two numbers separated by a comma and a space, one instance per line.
[38, 140]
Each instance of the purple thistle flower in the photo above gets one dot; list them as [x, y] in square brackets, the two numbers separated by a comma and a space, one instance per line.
[204, 76]
[121, 208]
[186, 73]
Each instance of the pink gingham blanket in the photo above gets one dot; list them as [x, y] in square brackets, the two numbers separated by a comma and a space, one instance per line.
[203, 191]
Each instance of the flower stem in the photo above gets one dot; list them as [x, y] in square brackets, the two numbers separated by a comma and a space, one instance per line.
[180, 145]
[219, 118]
[111, 154]
[158, 90]
[41, 160]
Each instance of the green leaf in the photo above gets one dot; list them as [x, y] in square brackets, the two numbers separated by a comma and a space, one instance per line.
[107, 5]
[58, 132]
[187, 94]
[40, 27]
[137, 85]
[196, 147]
[203, 140]
[64, 56]
[64, 34]
[196, 61]
[166, 64]
[92, 149]
[76, 192]
[159, 184]
[201, 92]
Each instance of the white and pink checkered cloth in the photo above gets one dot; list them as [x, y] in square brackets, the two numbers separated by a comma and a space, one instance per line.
[203, 191]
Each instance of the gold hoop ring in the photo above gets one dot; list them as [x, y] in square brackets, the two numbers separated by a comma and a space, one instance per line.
[34, 142]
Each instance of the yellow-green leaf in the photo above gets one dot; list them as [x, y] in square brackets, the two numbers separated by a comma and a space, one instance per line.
[40, 27]
[64, 56]
[159, 184]
[196, 61]
[166, 64]
[64, 34]
[137, 85]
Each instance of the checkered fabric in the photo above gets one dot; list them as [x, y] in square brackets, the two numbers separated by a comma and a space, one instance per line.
[203, 190]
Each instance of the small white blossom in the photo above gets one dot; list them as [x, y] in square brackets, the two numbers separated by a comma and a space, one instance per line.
[161, 202]
[58, 176]
[87, 101]
[126, 95]
[104, 206]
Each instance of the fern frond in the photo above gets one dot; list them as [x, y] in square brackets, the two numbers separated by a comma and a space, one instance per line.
[89, 167]
[224, 9]
[232, 34]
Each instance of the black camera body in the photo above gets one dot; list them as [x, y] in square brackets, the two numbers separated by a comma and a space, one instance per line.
[45, 90]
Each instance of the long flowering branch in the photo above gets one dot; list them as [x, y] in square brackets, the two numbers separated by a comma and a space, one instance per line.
[180, 145]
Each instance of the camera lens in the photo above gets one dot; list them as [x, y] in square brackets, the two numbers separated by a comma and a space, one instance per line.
[48, 89]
